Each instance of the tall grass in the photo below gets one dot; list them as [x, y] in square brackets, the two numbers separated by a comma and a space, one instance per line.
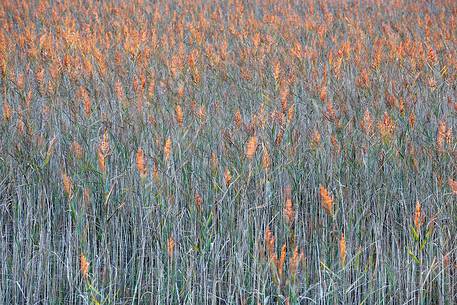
[228, 152]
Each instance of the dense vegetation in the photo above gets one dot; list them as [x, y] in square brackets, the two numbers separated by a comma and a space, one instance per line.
[228, 152]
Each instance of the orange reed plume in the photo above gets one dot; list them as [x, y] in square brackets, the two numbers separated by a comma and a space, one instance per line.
[282, 260]
[444, 136]
[179, 115]
[330, 113]
[6, 111]
[279, 137]
[418, 216]
[201, 113]
[270, 242]
[251, 147]
[67, 185]
[412, 120]
[386, 128]
[84, 266]
[198, 201]
[323, 93]
[103, 151]
[431, 56]
[266, 159]
[101, 161]
[327, 200]
[141, 163]
[214, 162]
[336, 148]
[84, 95]
[170, 246]
[167, 149]
[227, 177]
[452, 185]
[289, 212]
[294, 261]
[342, 248]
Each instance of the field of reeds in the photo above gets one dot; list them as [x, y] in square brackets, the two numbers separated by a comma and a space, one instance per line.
[228, 152]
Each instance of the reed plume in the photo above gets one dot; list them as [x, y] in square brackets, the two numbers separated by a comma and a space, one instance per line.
[141, 163]
[101, 160]
[269, 242]
[170, 246]
[386, 128]
[441, 135]
[294, 261]
[418, 216]
[452, 185]
[179, 115]
[227, 177]
[327, 200]
[6, 111]
[289, 212]
[84, 266]
[251, 147]
[67, 185]
[167, 149]
[265, 159]
[342, 249]
[198, 201]
[281, 261]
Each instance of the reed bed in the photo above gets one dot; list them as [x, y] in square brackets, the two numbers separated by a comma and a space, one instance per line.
[228, 152]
